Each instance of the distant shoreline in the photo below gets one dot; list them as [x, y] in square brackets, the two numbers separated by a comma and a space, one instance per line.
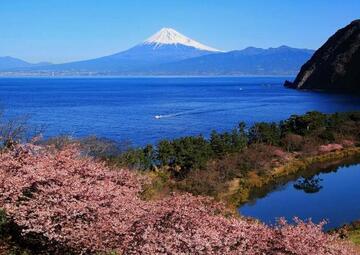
[145, 76]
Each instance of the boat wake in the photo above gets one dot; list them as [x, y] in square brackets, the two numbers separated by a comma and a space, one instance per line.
[191, 112]
[204, 111]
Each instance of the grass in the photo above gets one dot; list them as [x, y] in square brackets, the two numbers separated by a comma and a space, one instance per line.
[350, 232]
[354, 236]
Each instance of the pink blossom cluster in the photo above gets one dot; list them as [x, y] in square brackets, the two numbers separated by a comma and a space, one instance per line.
[347, 143]
[83, 205]
[330, 147]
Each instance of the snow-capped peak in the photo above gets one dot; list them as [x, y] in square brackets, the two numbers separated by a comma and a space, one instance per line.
[171, 36]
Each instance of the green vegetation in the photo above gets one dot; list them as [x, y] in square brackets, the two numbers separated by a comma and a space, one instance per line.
[294, 134]
[354, 235]
[349, 232]
[246, 157]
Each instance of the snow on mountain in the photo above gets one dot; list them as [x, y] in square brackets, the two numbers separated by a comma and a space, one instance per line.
[165, 46]
[171, 36]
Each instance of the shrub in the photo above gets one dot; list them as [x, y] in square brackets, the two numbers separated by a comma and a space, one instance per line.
[327, 135]
[292, 142]
[91, 145]
[330, 147]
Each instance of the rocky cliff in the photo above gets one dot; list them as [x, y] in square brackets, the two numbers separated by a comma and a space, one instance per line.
[336, 65]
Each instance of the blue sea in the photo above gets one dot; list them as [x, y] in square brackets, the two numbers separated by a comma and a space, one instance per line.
[145, 110]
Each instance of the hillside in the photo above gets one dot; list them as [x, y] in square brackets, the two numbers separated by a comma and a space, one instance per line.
[283, 60]
[9, 63]
[334, 66]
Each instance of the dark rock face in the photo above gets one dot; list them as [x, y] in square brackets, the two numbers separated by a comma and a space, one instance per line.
[336, 65]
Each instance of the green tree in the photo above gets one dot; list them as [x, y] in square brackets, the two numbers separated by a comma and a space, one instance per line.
[224, 143]
[191, 152]
[165, 153]
[304, 124]
[263, 132]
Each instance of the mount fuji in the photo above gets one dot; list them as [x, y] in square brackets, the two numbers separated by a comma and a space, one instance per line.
[168, 36]
[168, 52]
[165, 46]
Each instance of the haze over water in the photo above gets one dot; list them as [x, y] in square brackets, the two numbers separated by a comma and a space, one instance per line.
[125, 108]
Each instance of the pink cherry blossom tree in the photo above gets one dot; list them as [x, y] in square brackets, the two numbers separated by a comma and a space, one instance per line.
[78, 203]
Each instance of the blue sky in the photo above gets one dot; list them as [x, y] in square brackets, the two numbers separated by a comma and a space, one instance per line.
[66, 30]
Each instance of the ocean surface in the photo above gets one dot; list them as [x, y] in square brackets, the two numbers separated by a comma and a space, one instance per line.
[332, 196]
[145, 110]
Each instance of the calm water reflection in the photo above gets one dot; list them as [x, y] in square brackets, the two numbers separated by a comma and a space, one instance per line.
[333, 194]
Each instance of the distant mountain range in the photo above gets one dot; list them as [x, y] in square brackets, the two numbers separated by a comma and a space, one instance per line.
[170, 53]
[10, 63]
[273, 61]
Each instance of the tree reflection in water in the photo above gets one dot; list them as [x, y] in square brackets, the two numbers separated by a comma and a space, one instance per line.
[309, 185]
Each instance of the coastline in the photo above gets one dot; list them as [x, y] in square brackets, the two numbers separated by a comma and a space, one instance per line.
[241, 189]
[89, 76]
